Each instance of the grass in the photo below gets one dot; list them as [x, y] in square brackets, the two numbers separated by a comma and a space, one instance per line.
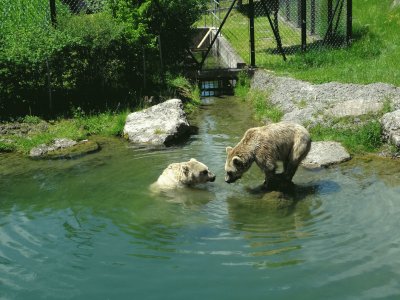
[357, 139]
[366, 138]
[372, 57]
[263, 108]
[77, 128]
[183, 89]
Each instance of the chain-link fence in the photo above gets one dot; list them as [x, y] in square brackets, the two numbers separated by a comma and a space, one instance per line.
[280, 27]
[23, 14]
[19, 14]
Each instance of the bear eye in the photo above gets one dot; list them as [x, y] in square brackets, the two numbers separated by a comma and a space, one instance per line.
[205, 172]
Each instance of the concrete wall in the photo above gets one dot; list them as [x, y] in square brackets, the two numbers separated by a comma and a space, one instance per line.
[221, 48]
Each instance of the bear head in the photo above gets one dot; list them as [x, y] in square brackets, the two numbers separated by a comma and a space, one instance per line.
[235, 166]
[194, 172]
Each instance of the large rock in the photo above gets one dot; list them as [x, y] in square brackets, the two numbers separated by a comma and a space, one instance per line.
[391, 127]
[304, 102]
[355, 108]
[162, 124]
[64, 148]
[324, 154]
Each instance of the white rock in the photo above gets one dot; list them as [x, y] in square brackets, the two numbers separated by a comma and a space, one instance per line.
[324, 154]
[391, 127]
[161, 124]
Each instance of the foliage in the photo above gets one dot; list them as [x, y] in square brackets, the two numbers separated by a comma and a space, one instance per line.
[78, 128]
[242, 86]
[180, 87]
[263, 107]
[366, 138]
[103, 60]
[166, 22]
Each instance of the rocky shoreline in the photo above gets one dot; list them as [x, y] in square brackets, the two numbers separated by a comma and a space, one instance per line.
[323, 104]
[301, 102]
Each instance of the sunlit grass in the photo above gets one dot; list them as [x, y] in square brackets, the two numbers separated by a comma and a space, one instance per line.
[372, 57]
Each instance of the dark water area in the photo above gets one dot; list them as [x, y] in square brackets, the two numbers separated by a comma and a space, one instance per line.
[90, 228]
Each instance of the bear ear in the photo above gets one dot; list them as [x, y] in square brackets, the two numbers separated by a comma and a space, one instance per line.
[193, 160]
[228, 149]
[237, 161]
[185, 170]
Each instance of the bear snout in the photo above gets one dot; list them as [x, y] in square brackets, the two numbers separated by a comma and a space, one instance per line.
[229, 179]
[212, 177]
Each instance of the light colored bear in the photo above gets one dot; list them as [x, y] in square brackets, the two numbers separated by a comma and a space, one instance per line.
[183, 174]
[284, 141]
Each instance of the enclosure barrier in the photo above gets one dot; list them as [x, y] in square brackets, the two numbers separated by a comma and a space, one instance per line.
[281, 27]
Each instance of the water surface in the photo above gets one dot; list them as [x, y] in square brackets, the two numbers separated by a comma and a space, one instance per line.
[90, 228]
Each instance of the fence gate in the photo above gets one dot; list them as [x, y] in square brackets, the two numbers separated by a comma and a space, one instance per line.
[280, 27]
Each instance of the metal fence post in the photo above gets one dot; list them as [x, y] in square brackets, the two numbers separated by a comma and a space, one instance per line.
[287, 7]
[330, 20]
[299, 3]
[349, 22]
[312, 17]
[252, 38]
[53, 14]
[303, 15]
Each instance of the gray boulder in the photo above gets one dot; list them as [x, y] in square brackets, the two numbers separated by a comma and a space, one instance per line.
[64, 148]
[324, 154]
[391, 127]
[304, 102]
[162, 124]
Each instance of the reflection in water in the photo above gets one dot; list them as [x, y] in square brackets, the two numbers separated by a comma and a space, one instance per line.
[90, 228]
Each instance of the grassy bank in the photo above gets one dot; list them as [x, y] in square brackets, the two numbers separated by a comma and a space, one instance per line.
[364, 137]
[372, 57]
[30, 131]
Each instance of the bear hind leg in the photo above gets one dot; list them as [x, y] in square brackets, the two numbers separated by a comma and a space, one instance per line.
[298, 153]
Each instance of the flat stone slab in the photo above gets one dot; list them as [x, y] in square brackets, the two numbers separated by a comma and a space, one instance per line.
[355, 108]
[391, 127]
[64, 148]
[162, 124]
[324, 154]
[307, 103]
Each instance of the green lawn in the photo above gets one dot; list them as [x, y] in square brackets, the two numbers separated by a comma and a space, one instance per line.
[374, 55]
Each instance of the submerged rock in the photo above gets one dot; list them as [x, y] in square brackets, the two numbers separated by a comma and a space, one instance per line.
[64, 148]
[162, 124]
[324, 154]
[391, 127]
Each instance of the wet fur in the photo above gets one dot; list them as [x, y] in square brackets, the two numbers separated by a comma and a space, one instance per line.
[284, 141]
[183, 174]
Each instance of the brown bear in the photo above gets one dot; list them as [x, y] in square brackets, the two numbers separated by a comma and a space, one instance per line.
[183, 174]
[284, 141]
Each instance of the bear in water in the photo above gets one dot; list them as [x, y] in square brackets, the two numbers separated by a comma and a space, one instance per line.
[184, 174]
[283, 141]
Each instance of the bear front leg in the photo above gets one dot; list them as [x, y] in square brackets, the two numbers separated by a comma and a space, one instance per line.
[269, 174]
[290, 169]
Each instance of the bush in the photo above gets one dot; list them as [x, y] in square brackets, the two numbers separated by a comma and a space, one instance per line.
[98, 61]
[84, 60]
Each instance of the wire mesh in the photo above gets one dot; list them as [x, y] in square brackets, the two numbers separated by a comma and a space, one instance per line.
[285, 22]
[18, 14]
[296, 25]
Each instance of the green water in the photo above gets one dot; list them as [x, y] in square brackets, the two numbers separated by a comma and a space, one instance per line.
[90, 229]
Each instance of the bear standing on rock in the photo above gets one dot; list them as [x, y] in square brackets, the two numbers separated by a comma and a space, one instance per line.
[284, 141]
